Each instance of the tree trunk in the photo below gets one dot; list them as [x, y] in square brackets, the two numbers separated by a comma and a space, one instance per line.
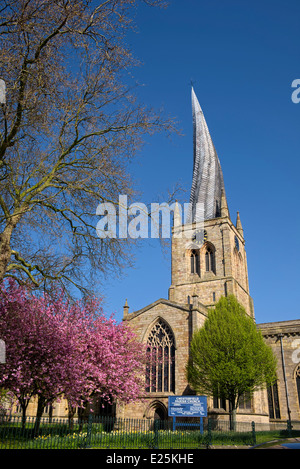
[232, 416]
[24, 408]
[80, 419]
[71, 414]
[50, 413]
[5, 249]
[23, 401]
[5, 238]
[39, 413]
[82, 415]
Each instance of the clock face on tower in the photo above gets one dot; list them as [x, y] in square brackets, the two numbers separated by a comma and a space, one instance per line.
[199, 237]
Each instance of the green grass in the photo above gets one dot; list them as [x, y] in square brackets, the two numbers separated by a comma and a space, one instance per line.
[264, 437]
[163, 439]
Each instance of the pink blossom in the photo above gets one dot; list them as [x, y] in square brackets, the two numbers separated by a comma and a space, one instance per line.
[56, 347]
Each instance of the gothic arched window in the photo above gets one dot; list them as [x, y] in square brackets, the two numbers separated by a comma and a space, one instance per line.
[273, 401]
[160, 370]
[210, 259]
[195, 262]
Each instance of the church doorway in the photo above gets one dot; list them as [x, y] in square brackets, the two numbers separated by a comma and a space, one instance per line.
[160, 414]
[156, 410]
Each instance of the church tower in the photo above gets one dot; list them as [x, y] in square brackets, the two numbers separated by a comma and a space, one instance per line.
[208, 249]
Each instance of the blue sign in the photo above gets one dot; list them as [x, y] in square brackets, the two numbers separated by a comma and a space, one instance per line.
[187, 406]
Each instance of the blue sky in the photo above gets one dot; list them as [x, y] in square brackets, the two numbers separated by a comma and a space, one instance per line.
[242, 57]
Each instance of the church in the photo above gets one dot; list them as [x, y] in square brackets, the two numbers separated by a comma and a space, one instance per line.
[205, 265]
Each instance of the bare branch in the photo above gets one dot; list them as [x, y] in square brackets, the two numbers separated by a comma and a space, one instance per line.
[68, 130]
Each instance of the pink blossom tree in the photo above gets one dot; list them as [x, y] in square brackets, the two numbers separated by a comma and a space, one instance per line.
[55, 347]
[38, 348]
[116, 361]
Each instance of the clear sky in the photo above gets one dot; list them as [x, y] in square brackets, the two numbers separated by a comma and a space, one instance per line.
[242, 57]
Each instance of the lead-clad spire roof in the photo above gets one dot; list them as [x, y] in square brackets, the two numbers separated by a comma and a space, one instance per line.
[207, 183]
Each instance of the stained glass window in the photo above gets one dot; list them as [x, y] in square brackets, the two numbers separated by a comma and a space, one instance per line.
[160, 370]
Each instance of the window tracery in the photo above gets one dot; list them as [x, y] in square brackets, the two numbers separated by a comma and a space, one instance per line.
[160, 370]
[273, 401]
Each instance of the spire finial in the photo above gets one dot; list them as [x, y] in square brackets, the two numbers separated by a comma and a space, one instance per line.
[238, 224]
[224, 205]
[125, 309]
[177, 221]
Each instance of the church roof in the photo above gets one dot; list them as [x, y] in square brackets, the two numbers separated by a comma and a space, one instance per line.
[160, 301]
[172, 304]
[291, 327]
[207, 182]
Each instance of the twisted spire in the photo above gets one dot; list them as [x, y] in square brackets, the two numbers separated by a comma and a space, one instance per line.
[207, 182]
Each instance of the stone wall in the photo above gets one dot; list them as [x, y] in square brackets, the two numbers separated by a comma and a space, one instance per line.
[181, 319]
[286, 333]
[230, 274]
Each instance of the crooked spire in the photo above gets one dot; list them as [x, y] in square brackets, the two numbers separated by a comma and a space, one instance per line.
[207, 182]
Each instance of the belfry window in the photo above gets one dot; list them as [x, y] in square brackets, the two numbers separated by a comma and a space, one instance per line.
[209, 260]
[160, 370]
[195, 262]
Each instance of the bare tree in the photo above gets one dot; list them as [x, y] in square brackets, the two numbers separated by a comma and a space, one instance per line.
[69, 125]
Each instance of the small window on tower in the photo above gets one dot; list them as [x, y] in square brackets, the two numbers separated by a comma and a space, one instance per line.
[195, 262]
[209, 260]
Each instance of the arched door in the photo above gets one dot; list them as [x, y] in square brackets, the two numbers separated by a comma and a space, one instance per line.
[160, 414]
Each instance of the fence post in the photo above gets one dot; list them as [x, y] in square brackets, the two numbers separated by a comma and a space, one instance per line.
[253, 434]
[209, 434]
[289, 428]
